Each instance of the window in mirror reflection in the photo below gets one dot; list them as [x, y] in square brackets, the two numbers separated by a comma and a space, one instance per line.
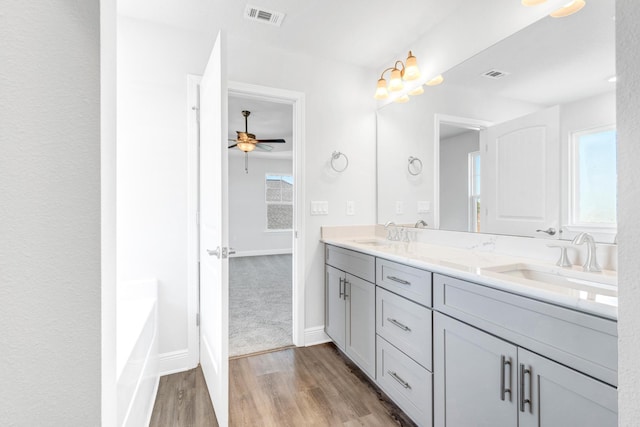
[474, 191]
[593, 162]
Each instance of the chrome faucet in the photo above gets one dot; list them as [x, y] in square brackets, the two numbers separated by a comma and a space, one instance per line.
[590, 264]
[421, 224]
[392, 236]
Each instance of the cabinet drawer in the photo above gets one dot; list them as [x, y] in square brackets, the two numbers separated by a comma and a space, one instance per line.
[406, 382]
[409, 282]
[404, 324]
[353, 262]
[583, 342]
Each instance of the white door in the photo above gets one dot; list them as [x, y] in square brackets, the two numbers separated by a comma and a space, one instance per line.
[214, 263]
[520, 175]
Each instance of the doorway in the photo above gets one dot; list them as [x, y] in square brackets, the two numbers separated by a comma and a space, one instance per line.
[261, 201]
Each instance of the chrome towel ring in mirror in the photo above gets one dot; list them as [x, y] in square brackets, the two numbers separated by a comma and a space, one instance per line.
[415, 166]
[335, 156]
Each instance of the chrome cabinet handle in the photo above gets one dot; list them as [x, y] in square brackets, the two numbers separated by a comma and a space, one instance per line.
[503, 389]
[402, 382]
[398, 324]
[346, 295]
[215, 252]
[395, 279]
[340, 289]
[523, 401]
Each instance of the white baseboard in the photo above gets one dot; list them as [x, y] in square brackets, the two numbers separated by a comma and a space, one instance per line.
[174, 361]
[262, 252]
[315, 335]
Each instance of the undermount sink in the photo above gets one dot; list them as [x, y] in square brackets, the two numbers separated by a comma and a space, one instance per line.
[372, 242]
[603, 283]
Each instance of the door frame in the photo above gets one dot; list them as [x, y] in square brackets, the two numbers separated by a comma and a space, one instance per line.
[463, 122]
[264, 93]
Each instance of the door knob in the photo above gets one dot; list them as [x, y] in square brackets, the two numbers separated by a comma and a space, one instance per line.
[215, 252]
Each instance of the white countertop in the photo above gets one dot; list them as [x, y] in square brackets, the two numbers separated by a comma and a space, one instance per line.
[476, 265]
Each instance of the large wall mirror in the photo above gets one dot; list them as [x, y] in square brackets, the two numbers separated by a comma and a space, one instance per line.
[518, 140]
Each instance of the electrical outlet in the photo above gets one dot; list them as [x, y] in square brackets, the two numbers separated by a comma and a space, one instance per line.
[351, 207]
[424, 206]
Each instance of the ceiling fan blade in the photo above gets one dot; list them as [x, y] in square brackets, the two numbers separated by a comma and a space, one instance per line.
[234, 145]
[264, 147]
[273, 141]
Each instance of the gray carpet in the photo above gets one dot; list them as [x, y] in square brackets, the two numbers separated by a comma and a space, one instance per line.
[259, 303]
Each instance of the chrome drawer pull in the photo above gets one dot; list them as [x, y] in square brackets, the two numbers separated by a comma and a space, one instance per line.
[340, 291]
[402, 382]
[503, 389]
[524, 401]
[395, 279]
[399, 325]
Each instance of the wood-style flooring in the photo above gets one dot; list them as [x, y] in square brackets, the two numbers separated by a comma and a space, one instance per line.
[308, 386]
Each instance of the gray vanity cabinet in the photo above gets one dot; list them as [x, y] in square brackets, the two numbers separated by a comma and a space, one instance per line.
[350, 303]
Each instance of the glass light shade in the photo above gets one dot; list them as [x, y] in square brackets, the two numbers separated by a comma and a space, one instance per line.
[402, 99]
[532, 2]
[435, 81]
[417, 91]
[395, 84]
[568, 9]
[411, 70]
[381, 90]
[246, 146]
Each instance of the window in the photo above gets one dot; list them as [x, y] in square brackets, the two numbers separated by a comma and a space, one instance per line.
[279, 200]
[474, 191]
[593, 178]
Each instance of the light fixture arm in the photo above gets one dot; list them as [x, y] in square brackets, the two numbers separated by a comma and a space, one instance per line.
[388, 69]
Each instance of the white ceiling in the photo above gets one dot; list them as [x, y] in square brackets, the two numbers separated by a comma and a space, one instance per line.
[360, 32]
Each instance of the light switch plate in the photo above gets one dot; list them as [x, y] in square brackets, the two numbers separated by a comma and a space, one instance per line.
[351, 207]
[424, 206]
[319, 208]
[399, 207]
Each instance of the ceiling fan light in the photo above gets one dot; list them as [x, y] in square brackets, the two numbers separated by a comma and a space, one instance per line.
[417, 91]
[435, 81]
[402, 99]
[411, 70]
[246, 146]
[532, 2]
[568, 9]
[395, 84]
[381, 90]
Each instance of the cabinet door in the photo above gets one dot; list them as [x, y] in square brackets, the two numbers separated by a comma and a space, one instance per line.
[474, 377]
[361, 323]
[334, 318]
[553, 395]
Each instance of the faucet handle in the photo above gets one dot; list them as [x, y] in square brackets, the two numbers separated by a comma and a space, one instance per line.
[563, 261]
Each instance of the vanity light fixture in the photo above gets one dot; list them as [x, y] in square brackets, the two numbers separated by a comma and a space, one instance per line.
[532, 2]
[435, 81]
[402, 99]
[568, 9]
[400, 71]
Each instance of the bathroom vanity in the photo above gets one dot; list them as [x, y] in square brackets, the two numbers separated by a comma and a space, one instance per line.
[458, 338]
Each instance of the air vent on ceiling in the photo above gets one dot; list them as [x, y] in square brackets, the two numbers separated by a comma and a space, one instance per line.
[254, 13]
[494, 74]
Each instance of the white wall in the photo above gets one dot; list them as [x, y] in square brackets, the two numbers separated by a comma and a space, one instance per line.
[248, 233]
[153, 63]
[50, 213]
[454, 179]
[628, 108]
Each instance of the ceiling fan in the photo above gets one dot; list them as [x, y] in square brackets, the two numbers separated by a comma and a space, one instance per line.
[247, 142]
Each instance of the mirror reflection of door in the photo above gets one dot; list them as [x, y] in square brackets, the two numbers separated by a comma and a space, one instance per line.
[460, 179]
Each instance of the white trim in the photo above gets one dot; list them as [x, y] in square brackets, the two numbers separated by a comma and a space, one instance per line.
[462, 122]
[174, 361]
[155, 396]
[193, 243]
[315, 336]
[262, 252]
[297, 100]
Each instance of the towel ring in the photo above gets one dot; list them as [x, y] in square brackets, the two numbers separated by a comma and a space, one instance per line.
[417, 166]
[335, 156]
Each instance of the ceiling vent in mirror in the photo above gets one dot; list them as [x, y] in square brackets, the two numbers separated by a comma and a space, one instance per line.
[254, 13]
[494, 74]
